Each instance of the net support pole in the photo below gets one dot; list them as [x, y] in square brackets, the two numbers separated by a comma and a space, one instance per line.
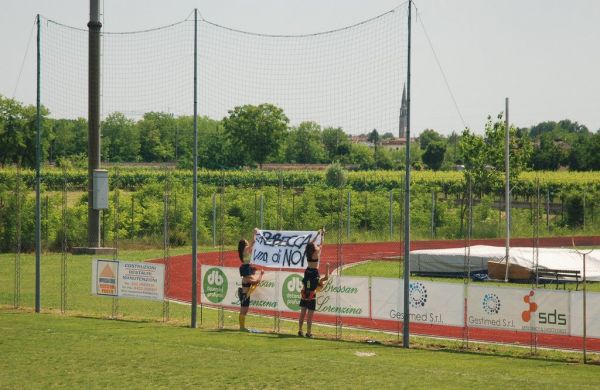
[584, 312]
[38, 157]
[94, 27]
[406, 276]
[507, 189]
[262, 199]
[195, 181]
[214, 219]
[432, 214]
[348, 217]
[391, 214]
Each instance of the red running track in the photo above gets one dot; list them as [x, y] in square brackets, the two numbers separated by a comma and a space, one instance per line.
[179, 288]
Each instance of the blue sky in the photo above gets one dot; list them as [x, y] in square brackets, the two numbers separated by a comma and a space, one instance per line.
[543, 55]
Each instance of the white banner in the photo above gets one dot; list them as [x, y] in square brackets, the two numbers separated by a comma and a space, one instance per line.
[592, 314]
[220, 287]
[128, 279]
[543, 311]
[345, 295]
[279, 290]
[282, 249]
[430, 302]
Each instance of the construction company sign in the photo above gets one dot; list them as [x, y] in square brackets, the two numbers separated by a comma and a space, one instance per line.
[128, 279]
[282, 249]
[347, 296]
[430, 302]
[543, 311]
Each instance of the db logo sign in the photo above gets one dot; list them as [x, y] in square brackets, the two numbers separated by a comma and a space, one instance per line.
[215, 277]
[294, 284]
[214, 285]
[291, 291]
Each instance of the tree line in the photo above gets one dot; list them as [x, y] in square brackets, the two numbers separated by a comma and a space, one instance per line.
[252, 135]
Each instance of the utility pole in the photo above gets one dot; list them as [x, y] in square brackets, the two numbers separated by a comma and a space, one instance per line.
[98, 188]
[94, 27]
[507, 188]
[195, 182]
[406, 319]
[38, 158]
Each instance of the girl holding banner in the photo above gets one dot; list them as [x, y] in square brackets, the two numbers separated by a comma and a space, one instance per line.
[249, 279]
[311, 284]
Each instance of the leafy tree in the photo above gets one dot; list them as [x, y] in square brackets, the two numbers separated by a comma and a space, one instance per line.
[483, 157]
[594, 152]
[573, 127]
[383, 159]
[157, 136]
[256, 130]
[363, 156]
[337, 143]
[214, 149]
[452, 157]
[549, 154]
[584, 153]
[69, 138]
[335, 176]
[120, 138]
[304, 144]
[433, 157]
[18, 133]
[415, 156]
[542, 128]
[560, 144]
[428, 136]
[387, 135]
[374, 138]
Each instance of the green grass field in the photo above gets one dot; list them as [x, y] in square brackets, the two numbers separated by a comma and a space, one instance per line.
[50, 351]
[83, 348]
[79, 300]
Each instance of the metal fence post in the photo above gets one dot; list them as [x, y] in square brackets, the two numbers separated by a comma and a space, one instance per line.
[432, 214]
[348, 217]
[391, 214]
[262, 201]
[214, 219]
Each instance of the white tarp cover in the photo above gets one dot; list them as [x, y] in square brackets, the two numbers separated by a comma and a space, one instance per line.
[454, 260]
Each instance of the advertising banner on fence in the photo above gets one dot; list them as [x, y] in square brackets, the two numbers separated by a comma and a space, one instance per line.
[592, 314]
[543, 311]
[430, 302]
[282, 249]
[128, 279]
[347, 296]
[220, 287]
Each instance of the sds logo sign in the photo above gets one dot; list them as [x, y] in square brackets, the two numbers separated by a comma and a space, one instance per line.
[549, 318]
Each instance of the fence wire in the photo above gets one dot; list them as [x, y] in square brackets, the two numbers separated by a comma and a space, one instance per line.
[151, 224]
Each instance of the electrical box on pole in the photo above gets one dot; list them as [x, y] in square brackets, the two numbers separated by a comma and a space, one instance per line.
[100, 193]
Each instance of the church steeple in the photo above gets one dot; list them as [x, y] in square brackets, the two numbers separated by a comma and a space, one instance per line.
[403, 114]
